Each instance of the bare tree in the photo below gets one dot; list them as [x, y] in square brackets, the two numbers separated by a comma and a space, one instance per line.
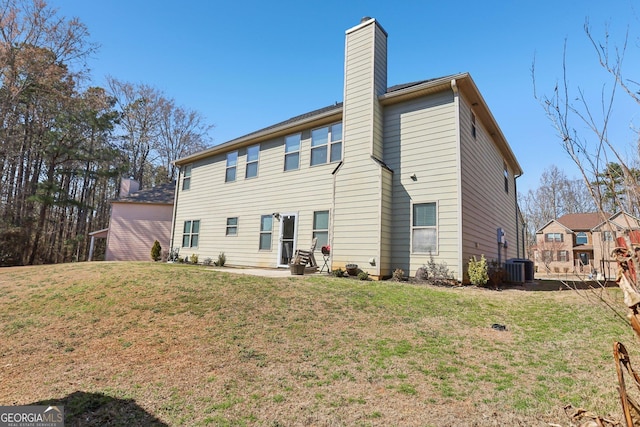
[556, 195]
[139, 127]
[155, 132]
[571, 111]
[182, 132]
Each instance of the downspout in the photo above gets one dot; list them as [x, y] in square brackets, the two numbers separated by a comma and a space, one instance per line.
[515, 195]
[456, 102]
[175, 211]
[332, 218]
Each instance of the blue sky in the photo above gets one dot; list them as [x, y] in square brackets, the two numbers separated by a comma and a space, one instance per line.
[248, 64]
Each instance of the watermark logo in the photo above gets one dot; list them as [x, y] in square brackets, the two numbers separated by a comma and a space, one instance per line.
[31, 416]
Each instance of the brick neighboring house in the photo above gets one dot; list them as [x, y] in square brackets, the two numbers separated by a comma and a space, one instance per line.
[581, 243]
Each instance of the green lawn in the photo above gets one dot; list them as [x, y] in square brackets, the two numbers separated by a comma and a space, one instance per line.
[143, 343]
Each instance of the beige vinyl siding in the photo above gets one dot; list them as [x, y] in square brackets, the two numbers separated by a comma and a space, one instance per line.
[487, 207]
[212, 201]
[358, 183]
[420, 138]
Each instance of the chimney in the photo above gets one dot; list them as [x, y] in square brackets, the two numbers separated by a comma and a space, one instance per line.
[128, 186]
[365, 79]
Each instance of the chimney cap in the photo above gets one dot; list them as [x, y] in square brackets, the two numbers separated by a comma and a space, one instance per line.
[365, 19]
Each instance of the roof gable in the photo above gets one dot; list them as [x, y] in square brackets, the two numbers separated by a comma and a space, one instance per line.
[160, 194]
[582, 221]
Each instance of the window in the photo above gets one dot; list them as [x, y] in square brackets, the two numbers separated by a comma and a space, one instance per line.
[232, 226]
[326, 142]
[292, 152]
[190, 233]
[553, 237]
[266, 227]
[563, 256]
[547, 256]
[506, 177]
[253, 153]
[321, 227]
[581, 238]
[186, 178]
[424, 231]
[473, 125]
[607, 236]
[232, 162]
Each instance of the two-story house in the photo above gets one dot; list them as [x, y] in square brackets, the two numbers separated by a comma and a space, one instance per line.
[581, 243]
[389, 178]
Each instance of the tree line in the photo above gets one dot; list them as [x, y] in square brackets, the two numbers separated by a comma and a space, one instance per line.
[65, 144]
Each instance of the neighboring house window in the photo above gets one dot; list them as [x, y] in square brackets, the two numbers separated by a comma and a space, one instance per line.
[326, 143]
[321, 228]
[190, 233]
[292, 152]
[581, 238]
[253, 153]
[547, 256]
[553, 237]
[473, 125]
[232, 226]
[424, 231]
[266, 228]
[563, 256]
[232, 162]
[506, 177]
[607, 236]
[186, 178]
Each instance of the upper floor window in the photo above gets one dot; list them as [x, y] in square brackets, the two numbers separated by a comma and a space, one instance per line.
[266, 229]
[581, 238]
[292, 152]
[607, 236]
[253, 153]
[190, 233]
[553, 237]
[232, 226]
[186, 178]
[326, 143]
[232, 162]
[473, 126]
[424, 233]
[506, 177]
[321, 228]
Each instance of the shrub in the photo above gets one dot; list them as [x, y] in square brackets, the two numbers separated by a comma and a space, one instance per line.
[363, 275]
[156, 251]
[207, 261]
[478, 271]
[222, 259]
[422, 273]
[438, 271]
[194, 258]
[398, 275]
[338, 273]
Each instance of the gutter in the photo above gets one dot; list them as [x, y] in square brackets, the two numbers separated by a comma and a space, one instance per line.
[175, 212]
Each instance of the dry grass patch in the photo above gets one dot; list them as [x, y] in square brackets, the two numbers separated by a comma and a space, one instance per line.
[143, 343]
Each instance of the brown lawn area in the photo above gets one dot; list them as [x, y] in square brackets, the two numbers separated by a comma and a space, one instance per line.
[160, 344]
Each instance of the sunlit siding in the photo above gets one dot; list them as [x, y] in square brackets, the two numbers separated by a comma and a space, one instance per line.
[358, 209]
[212, 200]
[485, 207]
[420, 139]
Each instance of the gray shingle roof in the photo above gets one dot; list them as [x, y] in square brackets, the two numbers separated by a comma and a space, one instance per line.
[161, 194]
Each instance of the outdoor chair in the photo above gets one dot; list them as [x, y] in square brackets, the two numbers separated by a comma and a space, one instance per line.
[306, 257]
